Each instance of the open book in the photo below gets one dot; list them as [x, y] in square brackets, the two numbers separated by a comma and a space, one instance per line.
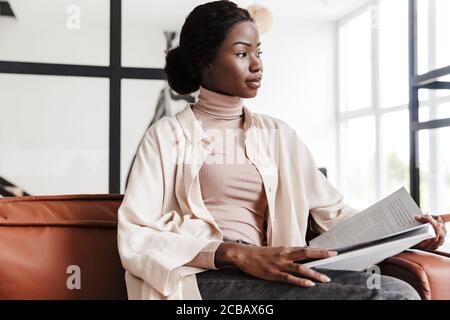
[384, 229]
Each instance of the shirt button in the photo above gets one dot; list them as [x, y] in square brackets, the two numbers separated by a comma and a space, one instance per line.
[270, 189]
[206, 140]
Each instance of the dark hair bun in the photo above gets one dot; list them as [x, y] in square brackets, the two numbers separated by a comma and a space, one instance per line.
[180, 78]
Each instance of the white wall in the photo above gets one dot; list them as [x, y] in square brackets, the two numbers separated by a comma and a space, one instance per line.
[299, 83]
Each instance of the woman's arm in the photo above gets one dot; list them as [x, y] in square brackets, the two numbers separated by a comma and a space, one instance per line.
[273, 263]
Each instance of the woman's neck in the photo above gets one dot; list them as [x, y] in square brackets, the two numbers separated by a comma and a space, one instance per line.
[218, 105]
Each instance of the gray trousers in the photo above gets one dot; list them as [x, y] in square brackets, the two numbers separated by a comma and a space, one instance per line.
[229, 283]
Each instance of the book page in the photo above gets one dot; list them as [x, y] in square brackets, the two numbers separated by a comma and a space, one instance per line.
[389, 216]
[363, 258]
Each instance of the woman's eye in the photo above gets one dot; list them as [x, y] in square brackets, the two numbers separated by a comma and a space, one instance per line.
[244, 54]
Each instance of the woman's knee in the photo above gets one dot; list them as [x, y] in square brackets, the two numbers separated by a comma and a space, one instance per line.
[395, 289]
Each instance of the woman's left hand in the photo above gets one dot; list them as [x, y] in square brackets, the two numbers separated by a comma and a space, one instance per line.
[438, 223]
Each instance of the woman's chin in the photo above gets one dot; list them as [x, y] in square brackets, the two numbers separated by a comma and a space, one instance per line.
[250, 93]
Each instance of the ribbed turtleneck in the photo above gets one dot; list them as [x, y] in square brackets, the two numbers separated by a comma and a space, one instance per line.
[219, 105]
[231, 185]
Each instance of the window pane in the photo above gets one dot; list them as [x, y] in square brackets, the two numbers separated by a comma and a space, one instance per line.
[355, 63]
[437, 105]
[139, 101]
[435, 170]
[422, 36]
[393, 38]
[358, 161]
[442, 30]
[443, 93]
[54, 133]
[143, 40]
[395, 151]
[49, 31]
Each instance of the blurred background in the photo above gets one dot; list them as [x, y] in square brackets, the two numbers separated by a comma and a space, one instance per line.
[364, 83]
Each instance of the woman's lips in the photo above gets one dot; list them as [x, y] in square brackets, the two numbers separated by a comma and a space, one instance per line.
[253, 84]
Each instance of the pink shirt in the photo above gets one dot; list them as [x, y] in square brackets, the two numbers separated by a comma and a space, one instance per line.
[232, 187]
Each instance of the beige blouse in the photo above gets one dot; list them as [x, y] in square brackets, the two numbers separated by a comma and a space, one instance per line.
[163, 222]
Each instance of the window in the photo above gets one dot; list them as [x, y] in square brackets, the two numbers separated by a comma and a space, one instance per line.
[58, 144]
[60, 89]
[374, 123]
[48, 31]
[381, 144]
[355, 50]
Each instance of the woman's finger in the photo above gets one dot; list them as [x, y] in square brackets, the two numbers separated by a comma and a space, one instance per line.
[289, 278]
[422, 219]
[306, 253]
[438, 231]
[424, 244]
[307, 272]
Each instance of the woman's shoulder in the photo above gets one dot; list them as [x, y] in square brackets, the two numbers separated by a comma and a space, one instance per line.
[166, 128]
[271, 122]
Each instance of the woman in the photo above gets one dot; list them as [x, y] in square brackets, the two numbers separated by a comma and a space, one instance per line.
[219, 197]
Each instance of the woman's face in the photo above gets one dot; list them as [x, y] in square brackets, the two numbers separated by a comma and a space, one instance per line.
[237, 67]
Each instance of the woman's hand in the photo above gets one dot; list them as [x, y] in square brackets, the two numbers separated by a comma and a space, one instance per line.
[273, 263]
[438, 223]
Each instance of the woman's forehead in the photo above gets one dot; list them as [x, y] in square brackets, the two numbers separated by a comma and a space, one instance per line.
[245, 32]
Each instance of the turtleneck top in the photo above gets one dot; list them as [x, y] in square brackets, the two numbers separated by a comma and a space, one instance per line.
[231, 186]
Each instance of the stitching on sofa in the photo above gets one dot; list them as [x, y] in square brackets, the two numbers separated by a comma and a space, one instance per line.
[77, 197]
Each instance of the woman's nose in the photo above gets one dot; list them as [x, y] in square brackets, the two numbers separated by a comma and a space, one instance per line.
[255, 65]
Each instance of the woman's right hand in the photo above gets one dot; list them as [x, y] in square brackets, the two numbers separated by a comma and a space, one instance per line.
[273, 263]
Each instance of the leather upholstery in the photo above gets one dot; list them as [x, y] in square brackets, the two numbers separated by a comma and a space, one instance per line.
[427, 272]
[42, 236]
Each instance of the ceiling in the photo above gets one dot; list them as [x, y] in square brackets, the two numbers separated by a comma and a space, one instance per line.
[175, 11]
[330, 10]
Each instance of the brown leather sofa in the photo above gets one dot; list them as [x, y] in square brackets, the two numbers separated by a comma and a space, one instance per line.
[65, 247]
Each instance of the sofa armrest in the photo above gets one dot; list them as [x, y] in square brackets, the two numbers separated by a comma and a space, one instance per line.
[427, 271]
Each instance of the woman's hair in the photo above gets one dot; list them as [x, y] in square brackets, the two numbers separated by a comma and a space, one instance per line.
[201, 35]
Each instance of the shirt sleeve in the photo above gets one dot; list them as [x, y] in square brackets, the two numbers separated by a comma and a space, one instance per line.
[154, 245]
[205, 258]
[327, 205]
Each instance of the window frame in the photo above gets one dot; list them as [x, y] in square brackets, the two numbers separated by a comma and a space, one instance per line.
[376, 110]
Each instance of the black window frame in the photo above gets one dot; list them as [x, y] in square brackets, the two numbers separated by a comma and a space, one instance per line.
[429, 80]
[115, 72]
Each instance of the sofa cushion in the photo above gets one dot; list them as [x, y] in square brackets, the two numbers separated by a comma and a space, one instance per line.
[60, 247]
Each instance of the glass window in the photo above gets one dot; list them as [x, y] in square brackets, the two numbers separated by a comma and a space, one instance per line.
[395, 151]
[442, 30]
[437, 105]
[434, 162]
[435, 170]
[443, 93]
[54, 133]
[355, 63]
[358, 161]
[422, 36]
[393, 41]
[49, 31]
